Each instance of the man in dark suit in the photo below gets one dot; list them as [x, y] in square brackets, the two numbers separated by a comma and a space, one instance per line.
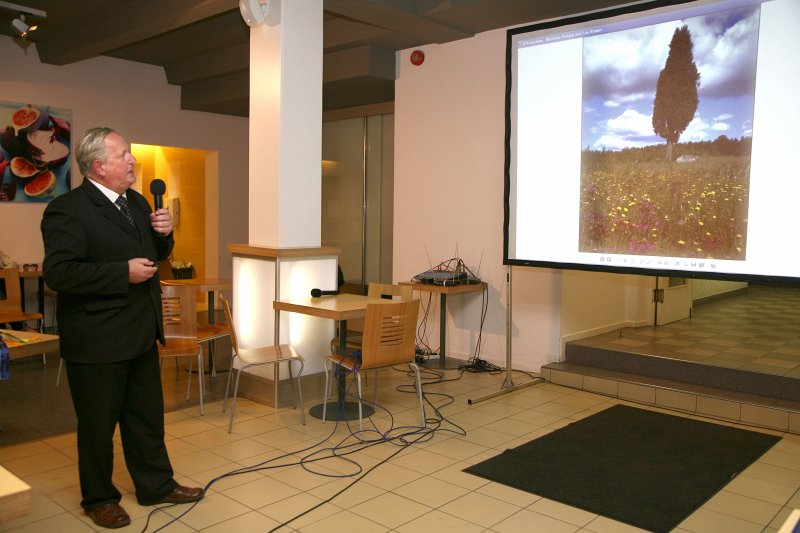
[102, 257]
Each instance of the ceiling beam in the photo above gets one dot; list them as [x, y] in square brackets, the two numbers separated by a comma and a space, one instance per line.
[218, 63]
[365, 60]
[389, 14]
[207, 93]
[340, 32]
[123, 23]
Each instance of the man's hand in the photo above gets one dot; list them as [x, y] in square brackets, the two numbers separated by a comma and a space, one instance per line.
[161, 221]
[141, 269]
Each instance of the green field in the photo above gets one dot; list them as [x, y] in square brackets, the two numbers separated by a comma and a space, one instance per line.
[638, 205]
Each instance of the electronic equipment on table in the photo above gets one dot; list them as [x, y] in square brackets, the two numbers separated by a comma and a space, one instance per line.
[447, 273]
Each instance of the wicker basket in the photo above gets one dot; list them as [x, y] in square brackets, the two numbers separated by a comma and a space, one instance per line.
[182, 273]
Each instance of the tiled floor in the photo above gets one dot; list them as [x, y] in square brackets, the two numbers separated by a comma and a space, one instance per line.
[418, 487]
[758, 331]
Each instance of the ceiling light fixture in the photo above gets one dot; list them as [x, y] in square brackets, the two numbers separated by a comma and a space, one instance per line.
[258, 12]
[20, 24]
[22, 27]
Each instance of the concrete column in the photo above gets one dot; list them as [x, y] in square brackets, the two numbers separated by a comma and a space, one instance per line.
[286, 126]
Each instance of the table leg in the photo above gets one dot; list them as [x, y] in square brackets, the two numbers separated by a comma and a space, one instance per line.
[442, 363]
[442, 329]
[211, 344]
[41, 296]
[22, 291]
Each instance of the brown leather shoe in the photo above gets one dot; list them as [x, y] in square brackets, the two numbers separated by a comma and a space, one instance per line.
[110, 515]
[183, 494]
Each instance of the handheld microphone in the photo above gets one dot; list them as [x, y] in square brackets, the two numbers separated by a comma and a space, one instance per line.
[157, 189]
[316, 293]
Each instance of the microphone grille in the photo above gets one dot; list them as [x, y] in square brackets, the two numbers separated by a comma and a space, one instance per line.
[158, 186]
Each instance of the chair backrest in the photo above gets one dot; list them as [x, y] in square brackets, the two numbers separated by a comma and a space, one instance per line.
[389, 291]
[226, 308]
[13, 300]
[179, 307]
[389, 334]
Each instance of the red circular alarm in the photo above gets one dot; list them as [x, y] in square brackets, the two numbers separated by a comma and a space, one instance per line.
[417, 57]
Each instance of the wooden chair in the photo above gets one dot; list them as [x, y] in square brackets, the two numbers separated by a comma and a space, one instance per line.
[388, 291]
[11, 307]
[264, 355]
[388, 340]
[179, 308]
[208, 334]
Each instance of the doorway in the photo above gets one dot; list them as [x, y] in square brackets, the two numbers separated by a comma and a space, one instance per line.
[357, 197]
[191, 177]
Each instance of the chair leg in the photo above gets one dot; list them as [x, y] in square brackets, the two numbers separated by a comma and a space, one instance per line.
[415, 368]
[291, 384]
[327, 389]
[212, 352]
[200, 379]
[58, 376]
[228, 384]
[233, 398]
[360, 399]
[189, 380]
[375, 393]
[300, 391]
[41, 330]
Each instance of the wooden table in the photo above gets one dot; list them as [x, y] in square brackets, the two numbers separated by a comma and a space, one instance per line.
[443, 291]
[341, 307]
[33, 343]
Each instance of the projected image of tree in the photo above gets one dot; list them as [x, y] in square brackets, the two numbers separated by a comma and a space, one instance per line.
[676, 90]
[666, 138]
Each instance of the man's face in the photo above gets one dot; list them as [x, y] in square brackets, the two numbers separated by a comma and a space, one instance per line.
[116, 172]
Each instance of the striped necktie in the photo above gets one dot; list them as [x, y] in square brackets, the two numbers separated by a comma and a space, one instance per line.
[125, 210]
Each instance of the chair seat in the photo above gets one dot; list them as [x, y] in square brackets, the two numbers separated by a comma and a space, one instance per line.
[268, 354]
[209, 332]
[354, 340]
[177, 347]
[345, 361]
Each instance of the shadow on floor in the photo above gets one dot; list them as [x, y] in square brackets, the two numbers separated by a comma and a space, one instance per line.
[33, 408]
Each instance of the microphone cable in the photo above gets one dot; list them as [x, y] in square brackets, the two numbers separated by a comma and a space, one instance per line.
[402, 437]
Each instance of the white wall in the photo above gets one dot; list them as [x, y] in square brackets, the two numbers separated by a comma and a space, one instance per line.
[449, 157]
[706, 288]
[136, 100]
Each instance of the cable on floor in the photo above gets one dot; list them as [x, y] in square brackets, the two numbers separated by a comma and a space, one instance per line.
[402, 437]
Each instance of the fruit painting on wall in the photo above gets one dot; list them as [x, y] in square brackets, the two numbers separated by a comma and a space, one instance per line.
[35, 152]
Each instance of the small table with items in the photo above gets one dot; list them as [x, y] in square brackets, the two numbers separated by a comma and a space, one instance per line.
[443, 291]
[27, 343]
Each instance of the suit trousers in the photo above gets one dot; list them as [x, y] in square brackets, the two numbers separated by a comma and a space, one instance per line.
[127, 393]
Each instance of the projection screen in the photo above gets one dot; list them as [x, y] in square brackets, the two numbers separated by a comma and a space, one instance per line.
[656, 139]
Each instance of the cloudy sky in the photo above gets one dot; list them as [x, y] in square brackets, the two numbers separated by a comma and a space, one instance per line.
[621, 71]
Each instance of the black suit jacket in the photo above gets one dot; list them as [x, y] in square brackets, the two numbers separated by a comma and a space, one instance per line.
[102, 317]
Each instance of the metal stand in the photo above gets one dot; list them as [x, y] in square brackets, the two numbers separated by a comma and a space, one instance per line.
[508, 382]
